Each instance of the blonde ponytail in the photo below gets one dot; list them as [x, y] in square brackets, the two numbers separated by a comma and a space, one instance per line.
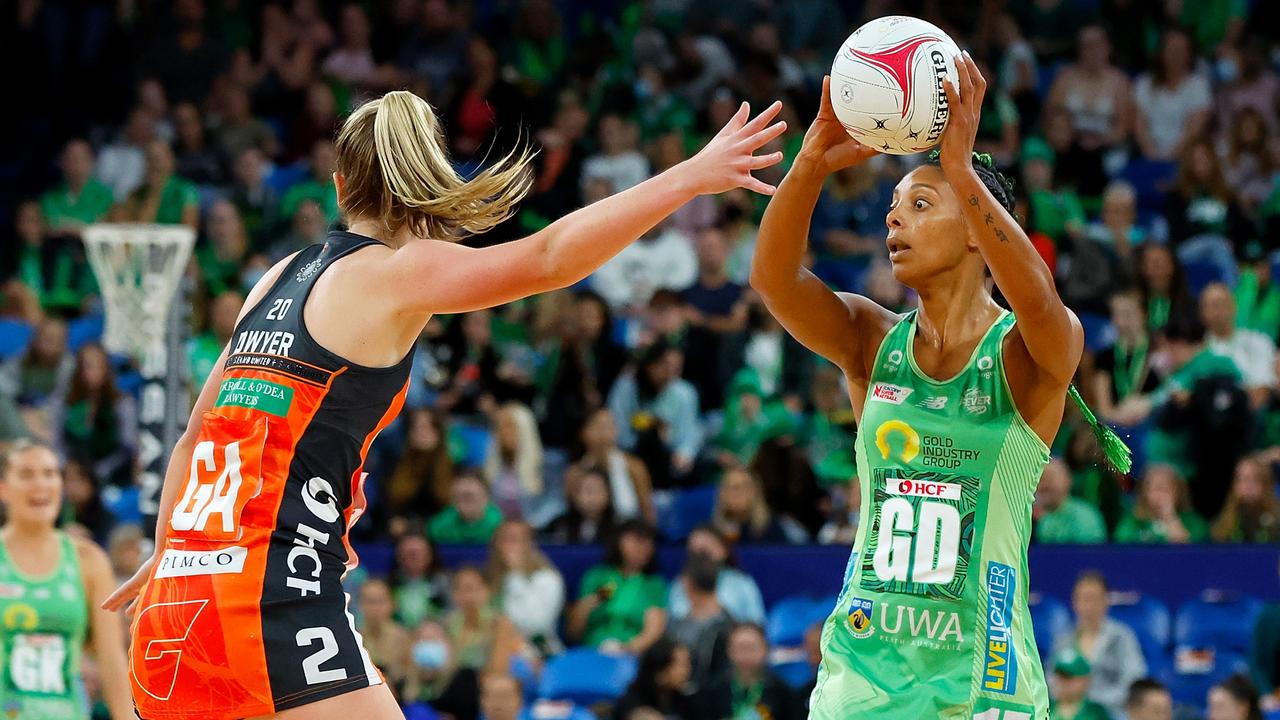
[392, 157]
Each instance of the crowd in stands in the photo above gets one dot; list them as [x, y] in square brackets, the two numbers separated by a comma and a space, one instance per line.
[1145, 141]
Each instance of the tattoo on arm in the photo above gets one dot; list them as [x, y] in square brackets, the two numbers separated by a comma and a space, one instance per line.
[990, 220]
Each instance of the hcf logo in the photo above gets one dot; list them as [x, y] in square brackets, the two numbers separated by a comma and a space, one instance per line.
[910, 440]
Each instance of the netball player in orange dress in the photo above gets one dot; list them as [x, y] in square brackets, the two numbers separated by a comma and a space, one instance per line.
[240, 612]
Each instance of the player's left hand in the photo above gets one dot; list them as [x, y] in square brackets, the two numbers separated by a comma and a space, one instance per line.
[966, 109]
[126, 595]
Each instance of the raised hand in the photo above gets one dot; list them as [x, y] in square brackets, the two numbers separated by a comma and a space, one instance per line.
[966, 111]
[827, 144]
[727, 160]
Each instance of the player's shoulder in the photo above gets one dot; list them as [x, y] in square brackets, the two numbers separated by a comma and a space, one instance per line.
[91, 556]
[871, 320]
[868, 324]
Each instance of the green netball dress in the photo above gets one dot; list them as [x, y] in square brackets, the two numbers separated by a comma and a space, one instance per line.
[44, 625]
[932, 621]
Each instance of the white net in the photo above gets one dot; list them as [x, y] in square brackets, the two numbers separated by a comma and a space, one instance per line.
[138, 267]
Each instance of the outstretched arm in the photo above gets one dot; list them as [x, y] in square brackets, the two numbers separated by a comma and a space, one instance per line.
[822, 320]
[574, 246]
[1052, 334]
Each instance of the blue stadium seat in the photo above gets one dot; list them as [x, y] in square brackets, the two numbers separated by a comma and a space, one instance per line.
[84, 330]
[585, 676]
[286, 176]
[1190, 688]
[1049, 619]
[129, 380]
[1150, 621]
[122, 503]
[419, 711]
[790, 617]
[377, 558]
[15, 335]
[796, 674]
[688, 508]
[523, 671]
[1201, 273]
[1047, 73]
[1098, 332]
[1214, 620]
[475, 438]
[1149, 179]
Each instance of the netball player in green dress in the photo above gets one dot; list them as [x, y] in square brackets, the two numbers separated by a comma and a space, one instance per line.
[957, 402]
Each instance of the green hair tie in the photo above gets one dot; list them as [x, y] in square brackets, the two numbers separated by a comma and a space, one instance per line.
[1117, 453]
[984, 159]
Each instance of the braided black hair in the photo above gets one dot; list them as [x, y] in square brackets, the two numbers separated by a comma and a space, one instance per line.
[994, 180]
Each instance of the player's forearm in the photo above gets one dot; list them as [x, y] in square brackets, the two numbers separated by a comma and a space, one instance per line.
[1017, 268]
[784, 230]
[115, 681]
[575, 245]
[576, 624]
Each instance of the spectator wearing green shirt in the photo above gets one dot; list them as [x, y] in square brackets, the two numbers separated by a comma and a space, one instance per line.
[750, 418]
[622, 601]
[1162, 512]
[1163, 285]
[79, 199]
[204, 349]
[222, 257]
[163, 197]
[52, 267]
[1061, 518]
[318, 187]
[470, 518]
[1056, 212]
[1070, 684]
[419, 581]
[1257, 297]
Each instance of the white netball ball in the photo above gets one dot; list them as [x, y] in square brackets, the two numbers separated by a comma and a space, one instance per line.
[886, 84]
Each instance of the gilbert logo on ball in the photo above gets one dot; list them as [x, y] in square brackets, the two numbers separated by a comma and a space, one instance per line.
[886, 84]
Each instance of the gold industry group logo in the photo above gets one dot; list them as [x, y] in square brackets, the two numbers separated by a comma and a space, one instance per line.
[910, 442]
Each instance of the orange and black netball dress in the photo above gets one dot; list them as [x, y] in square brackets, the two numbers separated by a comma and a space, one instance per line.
[244, 612]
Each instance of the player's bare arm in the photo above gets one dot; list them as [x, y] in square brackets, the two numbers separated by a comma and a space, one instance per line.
[841, 327]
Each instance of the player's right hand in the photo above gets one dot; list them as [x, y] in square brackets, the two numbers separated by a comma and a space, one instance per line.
[828, 147]
[128, 591]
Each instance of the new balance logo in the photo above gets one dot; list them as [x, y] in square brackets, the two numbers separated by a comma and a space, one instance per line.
[933, 402]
